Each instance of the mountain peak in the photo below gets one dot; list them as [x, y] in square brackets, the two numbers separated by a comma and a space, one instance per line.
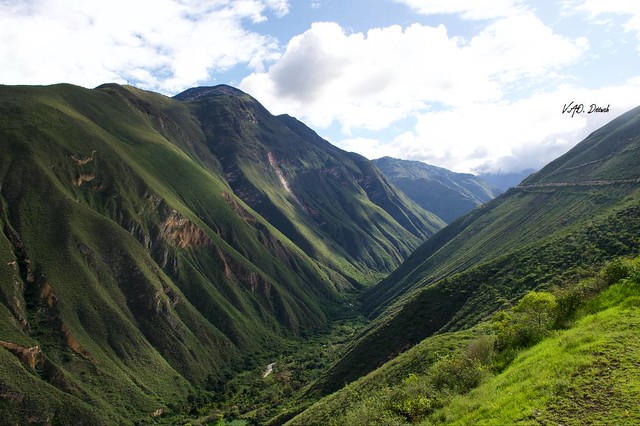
[196, 93]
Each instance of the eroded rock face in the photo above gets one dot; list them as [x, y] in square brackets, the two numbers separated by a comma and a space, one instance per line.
[36, 286]
[32, 356]
[37, 361]
[181, 232]
[82, 178]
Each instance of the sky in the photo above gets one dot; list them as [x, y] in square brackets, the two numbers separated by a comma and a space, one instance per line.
[474, 86]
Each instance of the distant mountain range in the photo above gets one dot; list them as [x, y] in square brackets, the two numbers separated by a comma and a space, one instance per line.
[441, 191]
[505, 181]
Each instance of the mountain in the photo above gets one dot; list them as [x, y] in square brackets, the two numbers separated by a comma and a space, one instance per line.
[151, 247]
[505, 181]
[334, 205]
[438, 190]
[562, 222]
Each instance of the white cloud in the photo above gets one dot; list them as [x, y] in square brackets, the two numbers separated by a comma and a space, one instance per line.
[371, 80]
[600, 12]
[370, 148]
[467, 9]
[165, 45]
[281, 7]
[505, 136]
[522, 47]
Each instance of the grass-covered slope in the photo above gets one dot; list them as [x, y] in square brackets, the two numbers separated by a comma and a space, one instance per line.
[441, 191]
[514, 243]
[585, 375]
[608, 155]
[132, 271]
[576, 365]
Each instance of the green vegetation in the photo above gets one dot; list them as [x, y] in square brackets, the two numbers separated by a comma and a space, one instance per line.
[521, 367]
[272, 392]
[150, 251]
[157, 254]
[447, 300]
[332, 204]
[558, 227]
[584, 375]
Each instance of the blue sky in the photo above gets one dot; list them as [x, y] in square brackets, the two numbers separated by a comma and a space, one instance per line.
[464, 84]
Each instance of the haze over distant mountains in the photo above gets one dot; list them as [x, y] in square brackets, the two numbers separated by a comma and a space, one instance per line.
[505, 181]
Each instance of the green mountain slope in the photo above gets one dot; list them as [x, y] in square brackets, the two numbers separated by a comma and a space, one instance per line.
[583, 372]
[536, 235]
[441, 191]
[585, 375]
[132, 269]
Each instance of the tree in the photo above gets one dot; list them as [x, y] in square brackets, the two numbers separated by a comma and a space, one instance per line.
[538, 306]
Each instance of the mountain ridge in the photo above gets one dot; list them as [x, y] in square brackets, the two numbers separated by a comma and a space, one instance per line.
[153, 248]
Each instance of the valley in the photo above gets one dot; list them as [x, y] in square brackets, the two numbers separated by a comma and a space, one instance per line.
[198, 260]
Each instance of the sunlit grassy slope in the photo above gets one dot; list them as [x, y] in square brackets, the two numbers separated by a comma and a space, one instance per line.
[583, 374]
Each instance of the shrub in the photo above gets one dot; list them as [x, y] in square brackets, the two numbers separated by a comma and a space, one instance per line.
[413, 409]
[457, 374]
[530, 321]
[615, 271]
[537, 306]
[481, 350]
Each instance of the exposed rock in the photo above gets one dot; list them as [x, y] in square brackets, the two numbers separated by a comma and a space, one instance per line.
[81, 161]
[36, 360]
[181, 232]
[268, 370]
[82, 178]
[251, 279]
[73, 344]
[157, 413]
[30, 356]
[46, 293]
[285, 184]
[239, 209]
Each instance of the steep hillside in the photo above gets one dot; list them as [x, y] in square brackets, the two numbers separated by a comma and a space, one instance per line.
[577, 366]
[553, 228]
[441, 191]
[134, 270]
[332, 204]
